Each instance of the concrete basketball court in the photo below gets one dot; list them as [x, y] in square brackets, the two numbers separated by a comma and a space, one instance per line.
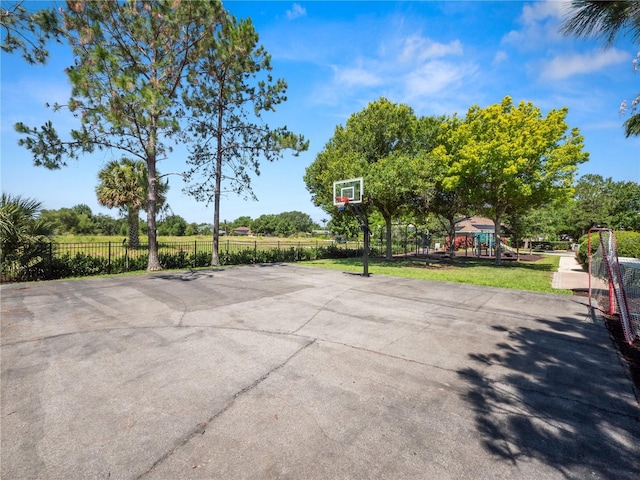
[286, 371]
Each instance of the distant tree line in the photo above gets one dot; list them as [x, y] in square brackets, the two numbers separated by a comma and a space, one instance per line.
[596, 202]
[80, 220]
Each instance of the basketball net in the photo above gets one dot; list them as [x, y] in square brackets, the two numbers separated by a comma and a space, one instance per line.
[341, 203]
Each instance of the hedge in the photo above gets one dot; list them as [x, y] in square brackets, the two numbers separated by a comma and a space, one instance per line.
[628, 244]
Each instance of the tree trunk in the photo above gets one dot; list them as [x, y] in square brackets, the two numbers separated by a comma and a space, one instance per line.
[498, 226]
[215, 258]
[153, 264]
[452, 237]
[389, 254]
[134, 227]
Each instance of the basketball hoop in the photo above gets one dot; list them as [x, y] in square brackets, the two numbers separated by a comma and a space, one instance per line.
[341, 202]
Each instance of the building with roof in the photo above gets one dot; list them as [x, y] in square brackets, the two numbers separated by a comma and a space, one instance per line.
[242, 231]
[471, 226]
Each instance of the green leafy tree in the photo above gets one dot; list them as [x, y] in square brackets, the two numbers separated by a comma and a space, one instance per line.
[447, 201]
[24, 236]
[124, 184]
[68, 220]
[264, 225]
[512, 158]
[301, 222]
[132, 60]
[106, 225]
[382, 144]
[343, 225]
[173, 225]
[226, 105]
[592, 205]
[607, 20]
[625, 208]
[82, 209]
[285, 228]
[27, 32]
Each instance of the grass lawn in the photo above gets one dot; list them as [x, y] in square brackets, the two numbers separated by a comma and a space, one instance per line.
[524, 275]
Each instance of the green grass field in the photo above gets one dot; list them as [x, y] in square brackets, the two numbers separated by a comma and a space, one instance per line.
[528, 276]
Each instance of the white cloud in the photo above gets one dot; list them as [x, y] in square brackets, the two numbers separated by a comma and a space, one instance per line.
[418, 48]
[409, 68]
[540, 25]
[564, 66]
[432, 78]
[500, 56]
[296, 11]
[542, 10]
[356, 77]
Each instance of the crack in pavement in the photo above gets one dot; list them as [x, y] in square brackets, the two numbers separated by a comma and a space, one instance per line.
[200, 428]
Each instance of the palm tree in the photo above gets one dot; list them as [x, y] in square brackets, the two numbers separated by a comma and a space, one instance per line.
[124, 184]
[606, 20]
[632, 125]
[24, 236]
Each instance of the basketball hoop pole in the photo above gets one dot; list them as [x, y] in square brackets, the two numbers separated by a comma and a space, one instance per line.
[349, 193]
[364, 225]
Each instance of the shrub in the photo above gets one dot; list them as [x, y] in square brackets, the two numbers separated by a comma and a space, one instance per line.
[628, 244]
[78, 265]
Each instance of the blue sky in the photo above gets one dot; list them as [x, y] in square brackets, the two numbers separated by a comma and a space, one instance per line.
[437, 57]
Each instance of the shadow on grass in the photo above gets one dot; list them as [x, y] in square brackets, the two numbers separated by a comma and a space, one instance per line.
[558, 395]
[457, 262]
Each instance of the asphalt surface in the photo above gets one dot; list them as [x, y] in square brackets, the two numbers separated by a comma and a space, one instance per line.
[286, 371]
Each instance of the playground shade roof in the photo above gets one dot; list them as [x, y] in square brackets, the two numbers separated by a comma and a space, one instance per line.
[475, 225]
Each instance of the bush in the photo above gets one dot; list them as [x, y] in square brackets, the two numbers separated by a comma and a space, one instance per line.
[79, 265]
[628, 244]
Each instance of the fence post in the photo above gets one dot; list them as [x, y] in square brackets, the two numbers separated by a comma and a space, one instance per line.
[255, 251]
[109, 259]
[195, 253]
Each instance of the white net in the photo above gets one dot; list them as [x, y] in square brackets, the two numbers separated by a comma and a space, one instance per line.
[614, 284]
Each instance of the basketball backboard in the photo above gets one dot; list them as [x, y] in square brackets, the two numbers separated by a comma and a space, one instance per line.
[352, 190]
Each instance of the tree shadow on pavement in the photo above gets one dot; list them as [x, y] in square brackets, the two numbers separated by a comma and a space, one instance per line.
[186, 276]
[559, 395]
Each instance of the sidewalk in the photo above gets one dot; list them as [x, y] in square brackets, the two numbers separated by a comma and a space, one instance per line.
[570, 274]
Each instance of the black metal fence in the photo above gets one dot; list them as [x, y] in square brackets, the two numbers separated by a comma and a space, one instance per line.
[63, 260]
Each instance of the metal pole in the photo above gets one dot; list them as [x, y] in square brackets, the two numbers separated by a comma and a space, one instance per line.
[365, 254]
